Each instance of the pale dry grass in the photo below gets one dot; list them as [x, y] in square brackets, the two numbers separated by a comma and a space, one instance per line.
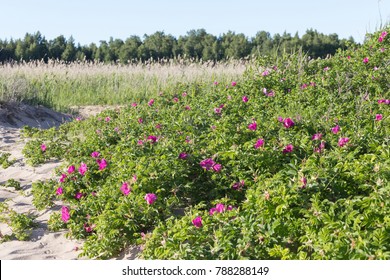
[59, 85]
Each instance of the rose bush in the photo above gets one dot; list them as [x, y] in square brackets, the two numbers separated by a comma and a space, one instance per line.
[298, 169]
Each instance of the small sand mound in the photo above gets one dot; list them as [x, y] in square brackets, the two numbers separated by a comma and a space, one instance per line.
[17, 115]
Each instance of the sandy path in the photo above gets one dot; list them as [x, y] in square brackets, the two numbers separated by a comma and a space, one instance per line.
[43, 244]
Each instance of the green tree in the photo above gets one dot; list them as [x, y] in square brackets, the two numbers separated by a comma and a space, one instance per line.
[57, 47]
[129, 50]
[70, 51]
[235, 45]
[158, 45]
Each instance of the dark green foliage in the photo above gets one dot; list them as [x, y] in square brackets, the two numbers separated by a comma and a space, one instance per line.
[197, 44]
[21, 224]
[4, 160]
[12, 183]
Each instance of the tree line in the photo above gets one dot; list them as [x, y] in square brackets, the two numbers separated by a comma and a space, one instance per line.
[196, 44]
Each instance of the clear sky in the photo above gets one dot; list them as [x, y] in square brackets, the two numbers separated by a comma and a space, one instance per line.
[94, 20]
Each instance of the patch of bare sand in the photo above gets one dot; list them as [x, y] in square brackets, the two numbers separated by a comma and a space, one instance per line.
[43, 244]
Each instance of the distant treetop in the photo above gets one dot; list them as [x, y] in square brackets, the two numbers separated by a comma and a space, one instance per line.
[196, 44]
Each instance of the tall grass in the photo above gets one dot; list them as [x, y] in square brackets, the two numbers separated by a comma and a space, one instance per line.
[60, 85]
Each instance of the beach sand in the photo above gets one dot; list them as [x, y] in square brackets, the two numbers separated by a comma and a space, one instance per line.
[43, 244]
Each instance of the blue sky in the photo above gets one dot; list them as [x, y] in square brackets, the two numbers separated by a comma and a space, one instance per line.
[94, 20]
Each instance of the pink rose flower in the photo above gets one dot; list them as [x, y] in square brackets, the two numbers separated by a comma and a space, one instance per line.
[125, 188]
[197, 222]
[335, 129]
[378, 117]
[83, 168]
[71, 169]
[252, 126]
[259, 143]
[65, 216]
[95, 154]
[150, 198]
[343, 141]
[288, 149]
[59, 191]
[43, 147]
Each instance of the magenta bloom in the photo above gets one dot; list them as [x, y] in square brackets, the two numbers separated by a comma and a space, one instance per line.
[95, 154]
[343, 141]
[183, 156]
[378, 117]
[365, 60]
[134, 104]
[238, 185]
[217, 167]
[83, 168]
[125, 188]
[382, 37]
[245, 99]
[207, 163]
[320, 148]
[259, 143]
[288, 149]
[150, 198]
[62, 178]
[218, 110]
[385, 101]
[89, 228]
[59, 191]
[304, 182]
[252, 126]
[197, 222]
[335, 129]
[43, 147]
[71, 169]
[317, 136]
[234, 84]
[151, 101]
[175, 99]
[152, 138]
[140, 120]
[212, 211]
[220, 208]
[187, 108]
[79, 195]
[102, 163]
[288, 123]
[265, 73]
[107, 119]
[158, 126]
[65, 216]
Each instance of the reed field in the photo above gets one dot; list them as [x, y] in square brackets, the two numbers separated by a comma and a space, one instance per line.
[60, 85]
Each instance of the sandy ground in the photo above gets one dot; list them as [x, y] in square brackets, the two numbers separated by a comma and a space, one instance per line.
[43, 244]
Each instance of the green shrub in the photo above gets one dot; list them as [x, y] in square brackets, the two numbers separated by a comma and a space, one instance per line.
[297, 153]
